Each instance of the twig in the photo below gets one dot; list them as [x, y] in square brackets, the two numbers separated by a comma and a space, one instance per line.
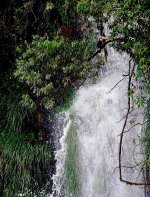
[125, 116]
[135, 183]
[117, 83]
[34, 14]
[136, 125]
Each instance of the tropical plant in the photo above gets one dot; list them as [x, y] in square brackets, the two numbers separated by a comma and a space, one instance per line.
[50, 67]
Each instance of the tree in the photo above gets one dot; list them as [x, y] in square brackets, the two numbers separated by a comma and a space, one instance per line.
[43, 59]
[49, 68]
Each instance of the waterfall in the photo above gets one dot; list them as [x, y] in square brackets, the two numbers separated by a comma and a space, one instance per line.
[98, 112]
[98, 109]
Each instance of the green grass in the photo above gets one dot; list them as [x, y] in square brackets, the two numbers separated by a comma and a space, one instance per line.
[71, 162]
[15, 113]
[22, 164]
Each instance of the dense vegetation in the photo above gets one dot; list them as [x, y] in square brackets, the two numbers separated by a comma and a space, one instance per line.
[44, 47]
[43, 60]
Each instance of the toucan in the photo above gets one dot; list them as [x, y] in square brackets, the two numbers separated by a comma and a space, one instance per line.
[101, 45]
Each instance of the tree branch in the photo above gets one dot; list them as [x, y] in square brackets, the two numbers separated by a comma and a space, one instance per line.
[125, 122]
[136, 125]
[117, 83]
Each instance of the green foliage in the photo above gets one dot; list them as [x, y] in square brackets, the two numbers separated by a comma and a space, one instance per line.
[17, 111]
[147, 144]
[21, 164]
[68, 99]
[67, 12]
[97, 9]
[146, 129]
[140, 101]
[50, 67]
[130, 93]
[83, 7]
[27, 103]
[49, 6]
[134, 20]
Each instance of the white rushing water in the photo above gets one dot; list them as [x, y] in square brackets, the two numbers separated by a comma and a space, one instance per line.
[63, 124]
[98, 109]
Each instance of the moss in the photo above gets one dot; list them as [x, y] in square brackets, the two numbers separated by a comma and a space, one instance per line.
[71, 161]
[147, 138]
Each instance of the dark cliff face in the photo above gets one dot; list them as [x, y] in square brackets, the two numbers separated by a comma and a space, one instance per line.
[47, 129]
[52, 125]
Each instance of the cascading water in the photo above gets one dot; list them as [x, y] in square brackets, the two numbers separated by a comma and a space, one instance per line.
[98, 108]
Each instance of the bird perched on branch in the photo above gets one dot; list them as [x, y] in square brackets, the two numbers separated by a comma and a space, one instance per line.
[101, 45]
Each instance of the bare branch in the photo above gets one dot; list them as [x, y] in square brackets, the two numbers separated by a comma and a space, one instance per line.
[136, 125]
[125, 122]
[117, 83]
[134, 183]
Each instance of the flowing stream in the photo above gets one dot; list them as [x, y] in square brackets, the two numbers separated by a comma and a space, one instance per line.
[98, 109]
